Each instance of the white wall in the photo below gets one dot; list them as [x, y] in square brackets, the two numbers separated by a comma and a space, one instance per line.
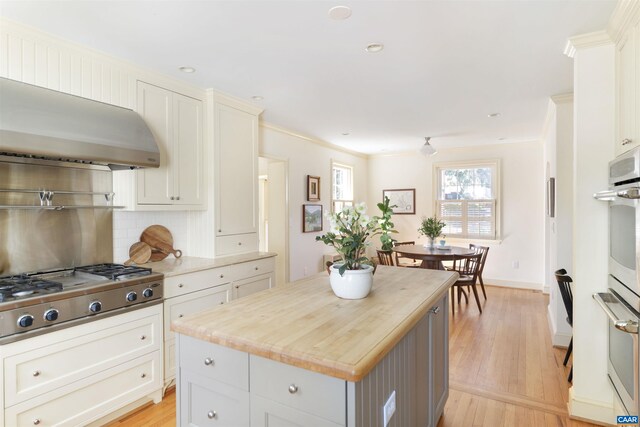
[558, 158]
[522, 200]
[308, 158]
[594, 133]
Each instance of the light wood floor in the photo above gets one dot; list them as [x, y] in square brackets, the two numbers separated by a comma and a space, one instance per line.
[503, 369]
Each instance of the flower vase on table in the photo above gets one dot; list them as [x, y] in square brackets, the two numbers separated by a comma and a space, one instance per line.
[432, 228]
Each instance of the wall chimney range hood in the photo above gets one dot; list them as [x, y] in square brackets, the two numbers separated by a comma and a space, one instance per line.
[45, 124]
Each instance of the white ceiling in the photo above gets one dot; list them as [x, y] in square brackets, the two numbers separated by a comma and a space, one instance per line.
[445, 65]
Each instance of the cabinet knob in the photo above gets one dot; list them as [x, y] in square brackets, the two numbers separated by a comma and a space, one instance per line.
[256, 268]
[219, 230]
[293, 388]
[212, 414]
[239, 243]
[180, 285]
[435, 310]
[172, 198]
[36, 373]
[626, 141]
[237, 286]
[36, 421]
[180, 315]
[143, 375]
[208, 361]
[143, 337]
[178, 198]
[221, 276]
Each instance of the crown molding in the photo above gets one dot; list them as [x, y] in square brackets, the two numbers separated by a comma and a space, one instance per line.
[562, 98]
[311, 139]
[233, 101]
[624, 16]
[585, 41]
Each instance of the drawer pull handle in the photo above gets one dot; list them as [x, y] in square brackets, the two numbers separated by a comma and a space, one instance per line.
[435, 310]
[180, 285]
[212, 414]
[221, 276]
[180, 315]
[143, 337]
[219, 230]
[626, 141]
[239, 243]
[36, 421]
[208, 361]
[143, 375]
[293, 389]
[237, 286]
[256, 268]
[36, 373]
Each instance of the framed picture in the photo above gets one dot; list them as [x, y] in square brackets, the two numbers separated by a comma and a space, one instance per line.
[404, 199]
[313, 188]
[311, 218]
[551, 197]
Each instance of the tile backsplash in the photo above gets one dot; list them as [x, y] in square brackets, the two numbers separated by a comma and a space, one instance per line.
[128, 226]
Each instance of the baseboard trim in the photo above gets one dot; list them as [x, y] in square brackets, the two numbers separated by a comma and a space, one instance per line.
[587, 410]
[557, 339]
[513, 284]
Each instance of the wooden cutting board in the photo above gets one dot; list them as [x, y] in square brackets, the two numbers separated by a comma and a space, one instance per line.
[139, 253]
[161, 242]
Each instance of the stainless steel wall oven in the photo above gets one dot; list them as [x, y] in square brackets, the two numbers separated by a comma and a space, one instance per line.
[621, 302]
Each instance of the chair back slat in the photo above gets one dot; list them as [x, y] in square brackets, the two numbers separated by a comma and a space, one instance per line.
[484, 251]
[564, 283]
[398, 256]
[467, 265]
[385, 257]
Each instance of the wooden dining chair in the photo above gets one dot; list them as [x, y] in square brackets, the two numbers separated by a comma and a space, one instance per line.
[385, 257]
[403, 261]
[467, 266]
[564, 283]
[484, 250]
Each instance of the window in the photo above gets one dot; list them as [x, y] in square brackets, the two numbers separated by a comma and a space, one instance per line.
[467, 199]
[341, 186]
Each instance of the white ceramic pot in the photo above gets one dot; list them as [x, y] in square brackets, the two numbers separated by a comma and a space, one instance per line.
[353, 284]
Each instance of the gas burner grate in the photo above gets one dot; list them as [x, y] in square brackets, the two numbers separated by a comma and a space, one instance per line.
[114, 271]
[13, 287]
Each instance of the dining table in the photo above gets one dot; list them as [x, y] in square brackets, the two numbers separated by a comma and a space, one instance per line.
[431, 257]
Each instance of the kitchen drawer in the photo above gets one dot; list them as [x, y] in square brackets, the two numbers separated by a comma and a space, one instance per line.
[215, 361]
[46, 368]
[91, 398]
[314, 393]
[253, 268]
[236, 244]
[196, 281]
[178, 307]
[211, 403]
[267, 413]
[246, 287]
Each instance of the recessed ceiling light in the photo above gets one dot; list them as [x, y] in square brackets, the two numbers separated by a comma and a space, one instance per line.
[187, 69]
[257, 98]
[374, 47]
[339, 13]
[493, 115]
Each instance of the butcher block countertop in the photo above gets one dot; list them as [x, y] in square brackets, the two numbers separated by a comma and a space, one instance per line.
[171, 266]
[305, 325]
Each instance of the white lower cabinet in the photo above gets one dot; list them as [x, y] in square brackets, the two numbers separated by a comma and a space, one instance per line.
[81, 374]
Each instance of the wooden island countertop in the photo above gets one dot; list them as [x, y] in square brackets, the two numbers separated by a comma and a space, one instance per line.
[305, 325]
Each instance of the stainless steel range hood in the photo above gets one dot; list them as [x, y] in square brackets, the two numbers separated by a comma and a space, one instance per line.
[45, 124]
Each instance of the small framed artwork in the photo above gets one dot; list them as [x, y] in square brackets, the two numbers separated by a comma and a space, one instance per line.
[313, 188]
[311, 218]
[551, 197]
[403, 199]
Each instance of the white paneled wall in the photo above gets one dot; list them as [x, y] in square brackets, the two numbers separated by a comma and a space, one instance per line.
[127, 227]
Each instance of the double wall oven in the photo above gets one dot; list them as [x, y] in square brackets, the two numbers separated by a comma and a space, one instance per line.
[621, 302]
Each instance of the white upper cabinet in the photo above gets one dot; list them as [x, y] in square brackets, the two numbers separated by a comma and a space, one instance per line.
[176, 122]
[628, 90]
[236, 175]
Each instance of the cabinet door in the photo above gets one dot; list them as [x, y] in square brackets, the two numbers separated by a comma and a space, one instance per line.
[245, 287]
[155, 186]
[627, 93]
[188, 151]
[439, 320]
[236, 159]
[267, 413]
[178, 307]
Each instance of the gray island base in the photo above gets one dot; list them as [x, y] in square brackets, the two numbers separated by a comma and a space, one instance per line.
[296, 355]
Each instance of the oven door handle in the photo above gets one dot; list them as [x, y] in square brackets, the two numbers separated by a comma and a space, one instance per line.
[629, 193]
[625, 325]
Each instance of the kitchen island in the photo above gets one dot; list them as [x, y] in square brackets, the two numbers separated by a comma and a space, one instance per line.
[298, 355]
